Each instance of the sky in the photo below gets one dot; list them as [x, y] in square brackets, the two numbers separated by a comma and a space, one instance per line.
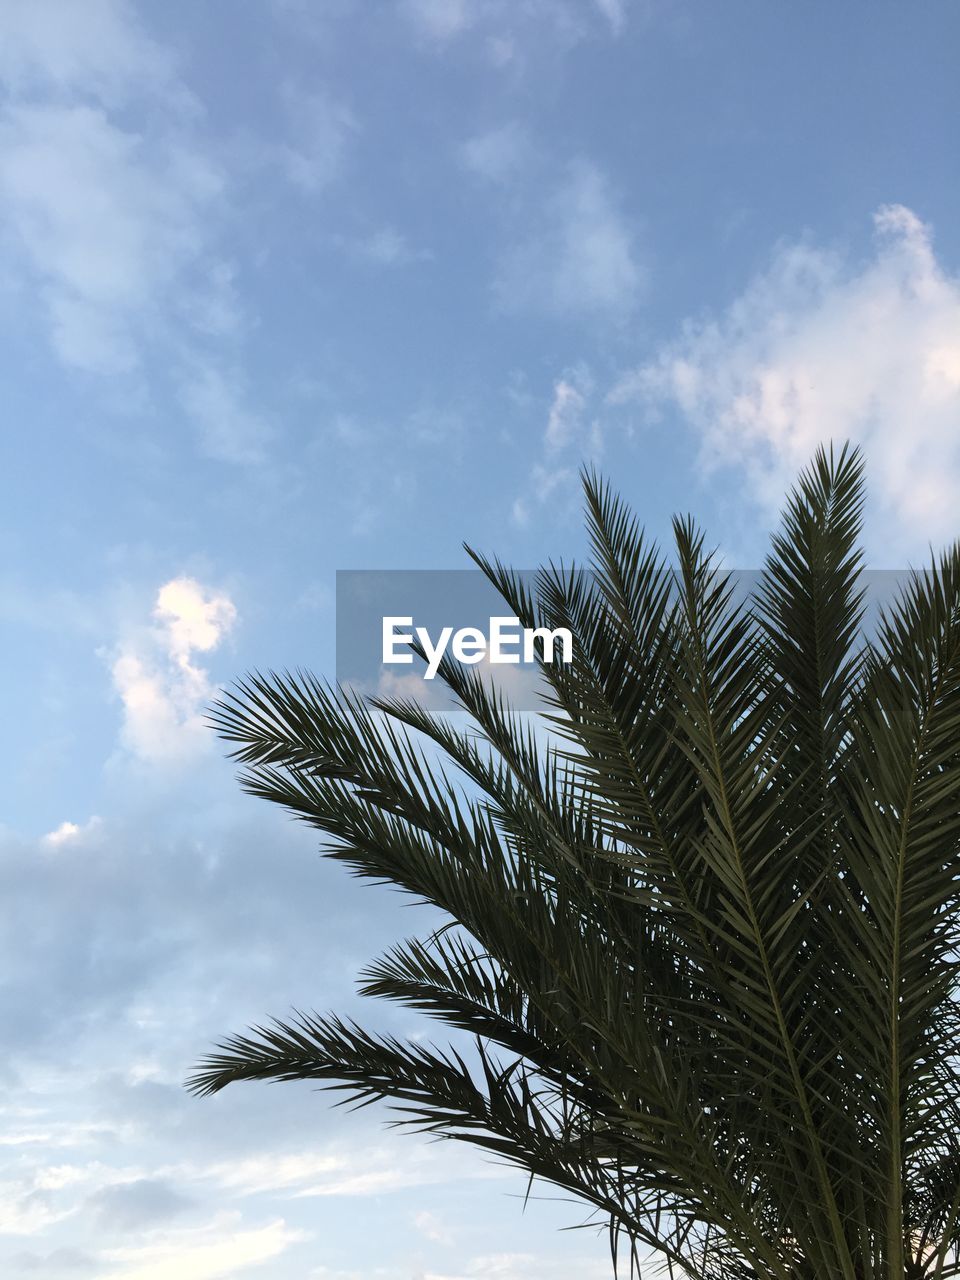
[299, 286]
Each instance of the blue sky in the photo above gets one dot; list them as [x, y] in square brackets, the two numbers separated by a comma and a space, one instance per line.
[292, 287]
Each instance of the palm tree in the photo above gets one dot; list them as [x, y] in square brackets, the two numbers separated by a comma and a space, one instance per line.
[701, 933]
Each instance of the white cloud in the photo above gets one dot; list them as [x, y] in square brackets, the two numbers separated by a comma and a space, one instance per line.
[336, 1171]
[499, 1266]
[565, 414]
[98, 48]
[128, 960]
[571, 434]
[580, 260]
[66, 831]
[506, 1266]
[165, 693]
[191, 618]
[111, 202]
[203, 1256]
[817, 349]
[69, 833]
[106, 226]
[432, 1227]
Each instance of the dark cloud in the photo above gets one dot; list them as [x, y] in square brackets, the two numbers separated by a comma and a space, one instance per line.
[136, 1206]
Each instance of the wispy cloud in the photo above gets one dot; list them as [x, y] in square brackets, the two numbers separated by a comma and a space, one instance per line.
[441, 20]
[565, 414]
[818, 348]
[383, 247]
[113, 202]
[321, 131]
[580, 256]
[100, 48]
[496, 155]
[615, 12]
[572, 432]
[432, 1227]
[508, 29]
[506, 1266]
[211, 1254]
[228, 429]
[107, 225]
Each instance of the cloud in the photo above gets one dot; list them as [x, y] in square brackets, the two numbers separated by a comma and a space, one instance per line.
[123, 962]
[100, 48]
[220, 1254]
[60, 1262]
[165, 693]
[615, 12]
[440, 20]
[508, 1266]
[107, 226]
[496, 155]
[432, 1227]
[383, 247]
[335, 1171]
[138, 1205]
[818, 348]
[565, 414]
[511, 31]
[571, 434]
[580, 259]
[323, 129]
[69, 832]
[228, 429]
[112, 200]
[66, 831]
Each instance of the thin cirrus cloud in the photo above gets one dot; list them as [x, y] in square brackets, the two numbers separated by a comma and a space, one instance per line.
[818, 349]
[572, 432]
[496, 155]
[203, 1255]
[99, 46]
[164, 689]
[580, 257]
[227, 428]
[500, 21]
[615, 12]
[441, 20]
[107, 226]
[567, 249]
[323, 129]
[111, 206]
[108, 217]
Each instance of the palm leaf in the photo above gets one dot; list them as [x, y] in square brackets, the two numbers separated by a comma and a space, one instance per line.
[699, 950]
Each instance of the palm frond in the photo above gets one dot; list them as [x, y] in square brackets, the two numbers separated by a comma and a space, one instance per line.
[701, 917]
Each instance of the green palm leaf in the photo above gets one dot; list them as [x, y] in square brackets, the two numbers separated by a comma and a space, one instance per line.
[700, 951]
